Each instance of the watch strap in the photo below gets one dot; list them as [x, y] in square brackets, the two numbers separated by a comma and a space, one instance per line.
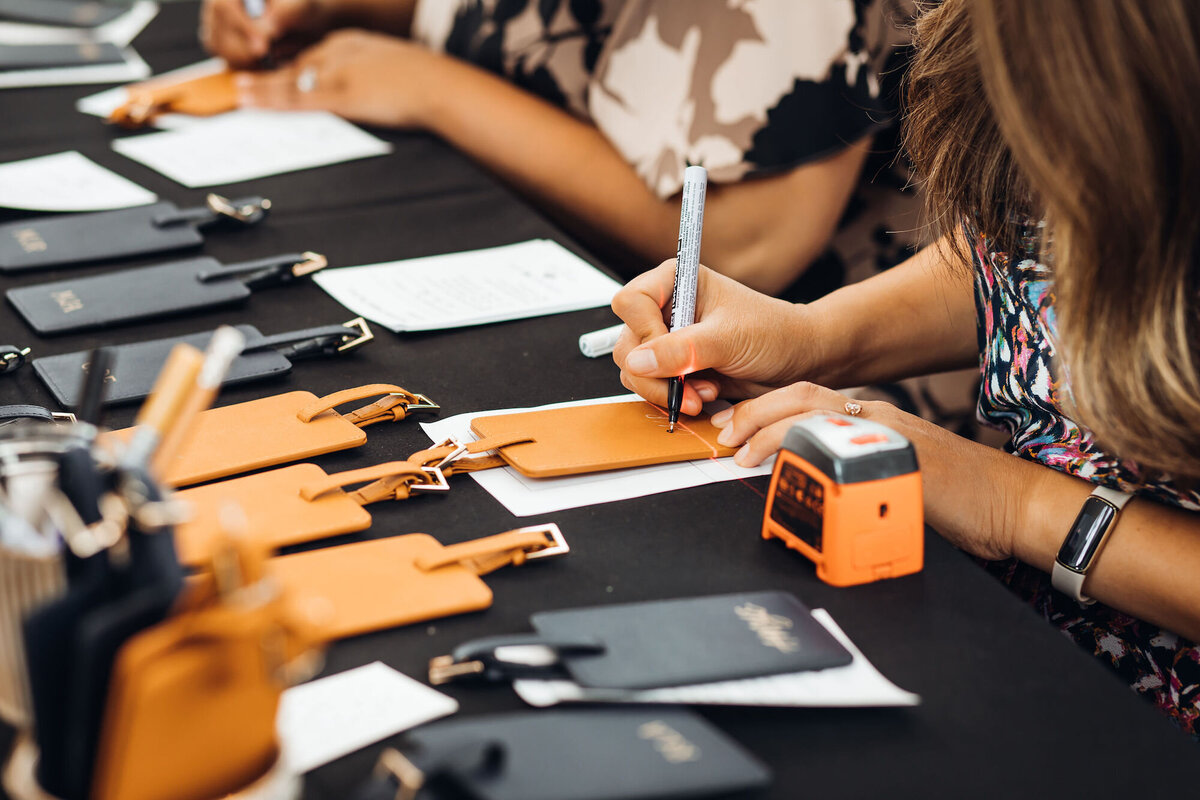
[1070, 581]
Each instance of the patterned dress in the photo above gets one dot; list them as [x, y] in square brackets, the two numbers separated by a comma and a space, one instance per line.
[1023, 393]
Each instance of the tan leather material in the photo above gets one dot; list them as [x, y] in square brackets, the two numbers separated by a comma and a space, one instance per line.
[192, 701]
[391, 469]
[373, 585]
[581, 439]
[275, 513]
[392, 406]
[252, 435]
[202, 97]
[482, 556]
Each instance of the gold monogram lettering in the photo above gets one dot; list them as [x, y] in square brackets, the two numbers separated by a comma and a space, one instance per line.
[108, 376]
[771, 629]
[30, 240]
[67, 301]
[670, 743]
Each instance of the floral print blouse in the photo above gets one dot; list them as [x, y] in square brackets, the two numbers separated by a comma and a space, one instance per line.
[1022, 392]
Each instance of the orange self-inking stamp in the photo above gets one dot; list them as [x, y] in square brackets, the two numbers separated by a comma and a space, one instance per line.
[846, 492]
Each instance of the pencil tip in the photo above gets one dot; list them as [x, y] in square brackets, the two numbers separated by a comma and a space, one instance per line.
[671, 427]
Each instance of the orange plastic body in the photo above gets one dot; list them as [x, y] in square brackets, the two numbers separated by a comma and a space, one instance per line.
[868, 531]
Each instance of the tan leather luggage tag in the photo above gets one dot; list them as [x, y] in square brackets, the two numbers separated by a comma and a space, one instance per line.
[400, 580]
[201, 97]
[192, 701]
[281, 428]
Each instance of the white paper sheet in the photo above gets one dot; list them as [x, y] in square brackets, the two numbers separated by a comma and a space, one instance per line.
[856, 685]
[120, 31]
[67, 182]
[328, 718]
[243, 145]
[104, 103]
[527, 497]
[515, 281]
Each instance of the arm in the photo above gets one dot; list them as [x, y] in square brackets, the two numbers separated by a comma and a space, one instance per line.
[764, 231]
[916, 318]
[996, 505]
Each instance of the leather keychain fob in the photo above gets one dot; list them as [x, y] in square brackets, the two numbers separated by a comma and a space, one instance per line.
[125, 296]
[52, 241]
[69, 13]
[135, 366]
[280, 428]
[597, 754]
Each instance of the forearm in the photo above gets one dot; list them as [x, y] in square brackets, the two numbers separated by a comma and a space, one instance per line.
[1149, 566]
[763, 232]
[917, 318]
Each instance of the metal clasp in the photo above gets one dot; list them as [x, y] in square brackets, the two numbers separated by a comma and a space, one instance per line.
[423, 404]
[409, 778]
[247, 212]
[557, 543]
[364, 334]
[437, 478]
[313, 262]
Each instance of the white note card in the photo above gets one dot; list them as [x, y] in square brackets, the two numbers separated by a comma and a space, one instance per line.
[67, 181]
[525, 497]
[856, 685]
[331, 717]
[248, 144]
[515, 281]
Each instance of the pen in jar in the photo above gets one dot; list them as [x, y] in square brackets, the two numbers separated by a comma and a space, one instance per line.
[687, 267]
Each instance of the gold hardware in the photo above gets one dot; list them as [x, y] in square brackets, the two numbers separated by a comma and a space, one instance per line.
[407, 774]
[437, 481]
[443, 669]
[364, 334]
[313, 262]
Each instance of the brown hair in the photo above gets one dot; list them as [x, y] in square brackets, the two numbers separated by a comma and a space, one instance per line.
[1082, 114]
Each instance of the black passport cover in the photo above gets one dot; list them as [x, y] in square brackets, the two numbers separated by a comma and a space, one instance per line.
[54, 56]
[116, 298]
[96, 236]
[596, 754]
[695, 640]
[136, 366]
[70, 13]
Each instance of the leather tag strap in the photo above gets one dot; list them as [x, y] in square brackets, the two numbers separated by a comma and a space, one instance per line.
[489, 554]
[379, 472]
[394, 405]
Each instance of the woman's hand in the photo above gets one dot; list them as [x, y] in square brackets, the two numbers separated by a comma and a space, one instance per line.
[363, 76]
[742, 343]
[226, 30]
[973, 493]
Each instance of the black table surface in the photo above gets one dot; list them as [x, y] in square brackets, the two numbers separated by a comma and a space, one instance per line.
[1010, 706]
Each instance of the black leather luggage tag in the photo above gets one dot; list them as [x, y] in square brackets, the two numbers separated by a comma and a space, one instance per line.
[54, 56]
[115, 298]
[69, 13]
[135, 366]
[598, 754]
[659, 644]
[97, 236]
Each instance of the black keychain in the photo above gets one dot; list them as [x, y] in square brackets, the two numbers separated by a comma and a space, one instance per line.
[598, 754]
[125, 296]
[69, 13]
[53, 241]
[12, 358]
[656, 644]
[135, 366]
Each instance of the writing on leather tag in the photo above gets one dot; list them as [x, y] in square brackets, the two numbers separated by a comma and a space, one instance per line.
[67, 300]
[29, 240]
[772, 629]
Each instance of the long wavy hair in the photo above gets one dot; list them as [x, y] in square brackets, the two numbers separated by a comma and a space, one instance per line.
[1084, 114]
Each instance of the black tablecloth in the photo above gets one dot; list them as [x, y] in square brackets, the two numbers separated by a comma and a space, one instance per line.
[1010, 707]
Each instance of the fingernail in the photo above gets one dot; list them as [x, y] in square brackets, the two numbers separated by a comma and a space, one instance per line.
[245, 99]
[243, 81]
[707, 393]
[727, 438]
[641, 361]
[742, 457]
[721, 418]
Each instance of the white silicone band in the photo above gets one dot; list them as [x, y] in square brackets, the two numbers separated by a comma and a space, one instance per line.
[1070, 582]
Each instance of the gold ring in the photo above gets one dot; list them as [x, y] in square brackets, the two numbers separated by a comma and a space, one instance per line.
[853, 409]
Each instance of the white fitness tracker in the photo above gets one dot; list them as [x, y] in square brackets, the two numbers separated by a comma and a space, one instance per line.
[1088, 534]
